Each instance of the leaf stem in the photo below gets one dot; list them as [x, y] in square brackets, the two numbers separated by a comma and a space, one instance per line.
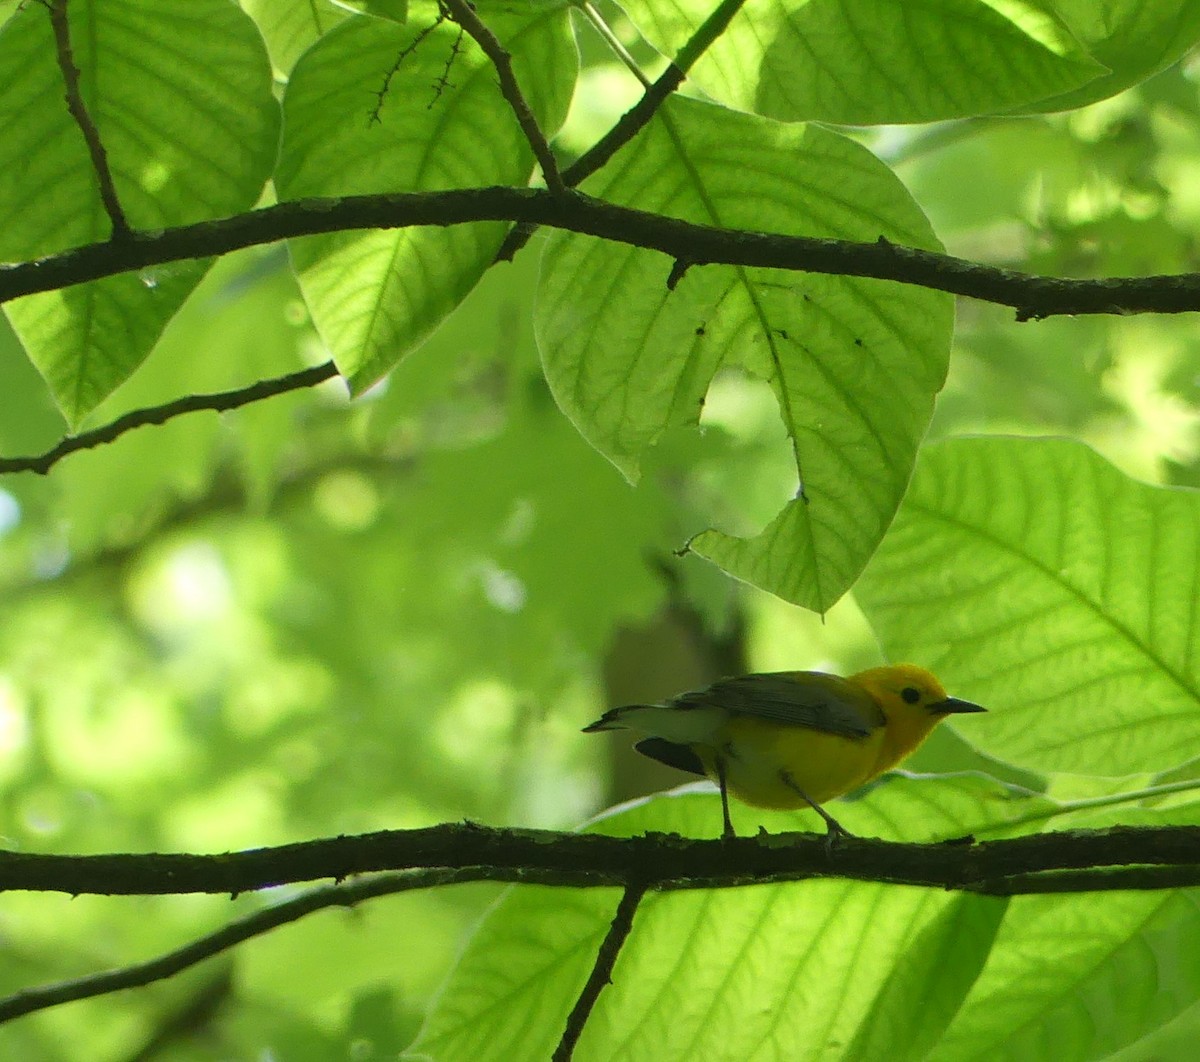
[613, 41]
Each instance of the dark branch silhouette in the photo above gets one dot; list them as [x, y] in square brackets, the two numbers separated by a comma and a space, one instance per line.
[1032, 296]
[463, 12]
[1079, 861]
[75, 104]
[601, 975]
[219, 401]
[1075, 861]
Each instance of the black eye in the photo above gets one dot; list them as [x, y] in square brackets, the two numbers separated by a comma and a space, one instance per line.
[910, 694]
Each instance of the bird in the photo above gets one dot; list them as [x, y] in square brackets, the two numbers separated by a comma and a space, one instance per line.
[790, 739]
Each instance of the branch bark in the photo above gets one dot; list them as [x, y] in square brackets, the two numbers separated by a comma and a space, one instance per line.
[79, 111]
[1030, 295]
[463, 12]
[217, 402]
[1074, 861]
[601, 974]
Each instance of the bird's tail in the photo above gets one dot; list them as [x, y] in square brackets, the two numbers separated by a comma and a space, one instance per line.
[612, 719]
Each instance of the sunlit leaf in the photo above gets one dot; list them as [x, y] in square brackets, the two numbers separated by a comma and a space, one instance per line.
[290, 27]
[1088, 974]
[396, 10]
[1133, 38]
[1035, 578]
[866, 62]
[377, 107]
[181, 98]
[854, 364]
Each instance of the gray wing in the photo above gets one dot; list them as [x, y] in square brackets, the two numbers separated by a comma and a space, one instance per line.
[795, 698]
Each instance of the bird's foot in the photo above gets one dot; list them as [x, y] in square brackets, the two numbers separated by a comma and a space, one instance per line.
[834, 832]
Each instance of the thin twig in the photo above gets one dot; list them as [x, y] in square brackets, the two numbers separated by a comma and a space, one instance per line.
[463, 12]
[1032, 296]
[601, 975]
[442, 82]
[262, 921]
[382, 92]
[637, 117]
[75, 104]
[217, 402]
[614, 42]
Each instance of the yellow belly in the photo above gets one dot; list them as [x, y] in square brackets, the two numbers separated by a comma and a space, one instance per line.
[757, 753]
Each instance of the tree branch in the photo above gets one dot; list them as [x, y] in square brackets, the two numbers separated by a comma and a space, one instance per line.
[219, 401]
[1032, 296]
[601, 975]
[1077, 861]
[1118, 858]
[75, 104]
[29, 1000]
[463, 12]
[637, 117]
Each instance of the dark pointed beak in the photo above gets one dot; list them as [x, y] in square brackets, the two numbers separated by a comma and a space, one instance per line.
[953, 704]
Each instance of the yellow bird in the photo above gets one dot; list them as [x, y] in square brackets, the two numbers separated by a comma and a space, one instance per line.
[790, 738]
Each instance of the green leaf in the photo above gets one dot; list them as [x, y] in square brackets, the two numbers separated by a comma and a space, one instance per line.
[351, 128]
[231, 332]
[1176, 1039]
[868, 62]
[776, 971]
[854, 364]
[395, 10]
[181, 97]
[929, 981]
[1035, 578]
[1088, 975]
[1133, 38]
[290, 27]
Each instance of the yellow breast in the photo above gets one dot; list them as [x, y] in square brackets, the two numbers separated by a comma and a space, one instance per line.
[758, 752]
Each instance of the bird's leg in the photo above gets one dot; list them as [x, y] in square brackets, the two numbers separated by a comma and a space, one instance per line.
[719, 762]
[834, 828]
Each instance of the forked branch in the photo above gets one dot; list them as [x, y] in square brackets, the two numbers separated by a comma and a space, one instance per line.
[463, 12]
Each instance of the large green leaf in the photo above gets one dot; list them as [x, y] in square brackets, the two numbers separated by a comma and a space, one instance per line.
[1074, 978]
[1037, 579]
[854, 364]
[1133, 38]
[441, 123]
[876, 61]
[181, 97]
[290, 27]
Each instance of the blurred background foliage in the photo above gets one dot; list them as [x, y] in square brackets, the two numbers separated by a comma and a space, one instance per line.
[313, 616]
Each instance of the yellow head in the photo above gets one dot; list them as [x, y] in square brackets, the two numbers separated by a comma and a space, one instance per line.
[913, 702]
